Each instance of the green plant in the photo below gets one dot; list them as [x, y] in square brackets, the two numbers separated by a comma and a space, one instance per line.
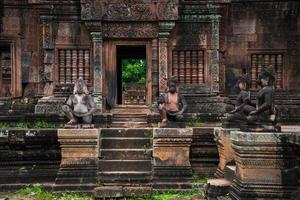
[195, 122]
[22, 124]
[37, 192]
[43, 124]
[133, 71]
[5, 125]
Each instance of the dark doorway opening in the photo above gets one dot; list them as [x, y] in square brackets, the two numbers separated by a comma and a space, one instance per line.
[131, 74]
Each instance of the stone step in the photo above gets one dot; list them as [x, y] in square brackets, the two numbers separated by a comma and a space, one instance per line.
[216, 187]
[119, 191]
[173, 185]
[125, 143]
[129, 124]
[126, 118]
[124, 177]
[123, 132]
[229, 172]
[125, 165]
[126, 154]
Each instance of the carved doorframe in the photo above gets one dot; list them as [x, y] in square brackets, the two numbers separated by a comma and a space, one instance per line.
[110, 63]
[16, 79]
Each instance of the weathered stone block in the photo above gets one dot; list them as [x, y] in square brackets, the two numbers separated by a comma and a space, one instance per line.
[266, 165]
[226, 153]
[78, 168]
[171, 164]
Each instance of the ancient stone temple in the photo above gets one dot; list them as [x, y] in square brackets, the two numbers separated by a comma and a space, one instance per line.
[124, 54]
[47, 45]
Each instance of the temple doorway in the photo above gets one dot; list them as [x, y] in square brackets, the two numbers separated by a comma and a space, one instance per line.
[131, 66]
[5, 71]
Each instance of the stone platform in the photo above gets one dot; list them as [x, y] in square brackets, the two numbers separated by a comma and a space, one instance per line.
[266, 165]
[79, 164]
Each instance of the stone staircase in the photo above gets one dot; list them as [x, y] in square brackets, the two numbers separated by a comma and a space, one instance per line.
[130, 116]
[125, 165]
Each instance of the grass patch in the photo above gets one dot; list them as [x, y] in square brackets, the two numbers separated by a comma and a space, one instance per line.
[25, 124]
[195, 122]
[37, 192]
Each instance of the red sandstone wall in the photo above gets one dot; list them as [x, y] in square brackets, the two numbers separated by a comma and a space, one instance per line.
[257, 27]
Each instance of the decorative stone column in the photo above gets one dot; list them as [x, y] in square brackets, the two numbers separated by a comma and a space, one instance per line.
[171, 162]
[214, 54]
[97, 70]
[226, 153]
[79, 152]
[266, 165]
[165, 28]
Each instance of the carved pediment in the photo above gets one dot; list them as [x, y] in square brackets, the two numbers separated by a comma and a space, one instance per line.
[129, 10]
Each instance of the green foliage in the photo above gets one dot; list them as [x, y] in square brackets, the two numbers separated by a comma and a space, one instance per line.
[195, 122]
[37, 192]
[22, 124]
[43, 124]
[25, 124]
[133, 71]
[4, 125]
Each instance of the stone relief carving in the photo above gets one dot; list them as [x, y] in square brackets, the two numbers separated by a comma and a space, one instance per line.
[129, 10]
[134, 30]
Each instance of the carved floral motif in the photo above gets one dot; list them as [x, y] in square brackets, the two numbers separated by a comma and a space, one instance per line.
[133, 30]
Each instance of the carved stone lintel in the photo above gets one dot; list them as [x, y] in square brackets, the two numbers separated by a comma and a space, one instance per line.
[266, 165]
[171, 164]
[130, 30]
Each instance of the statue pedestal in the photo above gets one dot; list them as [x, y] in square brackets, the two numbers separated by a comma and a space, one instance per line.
[171, 163]
[266, 165]
[226, 153]
[79, 152]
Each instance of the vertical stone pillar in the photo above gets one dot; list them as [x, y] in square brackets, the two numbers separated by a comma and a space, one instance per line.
[97, 69]
[171, 159]
[266, 165]
[214, 53]
[164, 31]
[79, 164]
[155, 75]
[226, 153]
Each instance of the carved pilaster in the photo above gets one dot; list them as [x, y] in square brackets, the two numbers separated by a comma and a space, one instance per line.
[97, 70]
[215, 54]
[164, 31]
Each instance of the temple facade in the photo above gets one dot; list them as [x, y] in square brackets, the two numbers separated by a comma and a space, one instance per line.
[45, 45]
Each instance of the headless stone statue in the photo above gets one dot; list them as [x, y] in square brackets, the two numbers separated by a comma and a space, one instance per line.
[171, 105]
[264, 117]
[243, 106]
[80, 106]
